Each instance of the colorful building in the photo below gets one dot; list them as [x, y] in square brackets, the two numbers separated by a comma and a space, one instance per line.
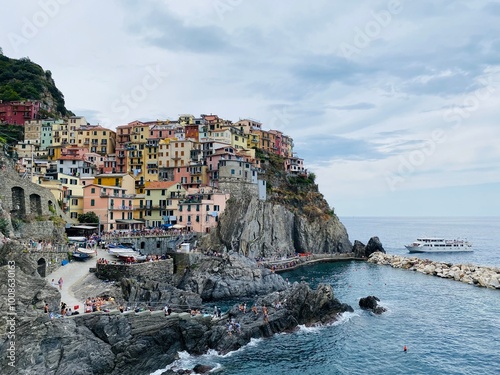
[18, 112]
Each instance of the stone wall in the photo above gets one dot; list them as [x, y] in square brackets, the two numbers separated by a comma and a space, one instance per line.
[238, 189]
[158, 271]
[22, 202]
[42, 230]
[47, 261]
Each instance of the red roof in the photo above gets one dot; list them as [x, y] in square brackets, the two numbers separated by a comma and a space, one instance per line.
[161, 184]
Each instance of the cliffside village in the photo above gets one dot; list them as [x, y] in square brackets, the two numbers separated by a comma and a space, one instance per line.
[155, 174]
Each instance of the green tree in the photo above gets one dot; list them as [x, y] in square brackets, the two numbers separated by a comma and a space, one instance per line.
[89, 217]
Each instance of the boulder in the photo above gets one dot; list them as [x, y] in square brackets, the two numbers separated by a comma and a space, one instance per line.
[374, 245]
[202, 369]
[371, 303]
[359, 249]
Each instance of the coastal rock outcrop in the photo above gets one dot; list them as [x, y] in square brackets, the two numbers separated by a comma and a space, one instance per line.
[258, 229]
[362, 251]
[371, 303]
[482, 276]
[230, 276]
[132, 343]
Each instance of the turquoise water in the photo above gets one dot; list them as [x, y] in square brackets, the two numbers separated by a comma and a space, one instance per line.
[448, 327]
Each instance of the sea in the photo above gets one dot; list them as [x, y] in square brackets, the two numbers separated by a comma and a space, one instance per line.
[448, 327]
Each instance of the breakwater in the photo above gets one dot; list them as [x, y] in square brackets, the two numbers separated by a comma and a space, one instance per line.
[289, 264]
[488, 277]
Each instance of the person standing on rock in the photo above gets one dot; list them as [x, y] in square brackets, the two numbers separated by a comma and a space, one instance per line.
[60, 282]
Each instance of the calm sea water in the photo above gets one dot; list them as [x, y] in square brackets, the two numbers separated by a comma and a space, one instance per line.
[448, 327]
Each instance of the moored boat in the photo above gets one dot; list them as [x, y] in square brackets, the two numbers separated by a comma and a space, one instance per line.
[439, 245]
[84, 250]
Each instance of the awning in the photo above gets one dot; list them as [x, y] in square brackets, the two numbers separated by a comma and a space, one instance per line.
[88, 227]
[129, 221]
[178, 226]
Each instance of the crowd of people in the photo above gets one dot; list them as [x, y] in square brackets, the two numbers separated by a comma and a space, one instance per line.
[93, 304]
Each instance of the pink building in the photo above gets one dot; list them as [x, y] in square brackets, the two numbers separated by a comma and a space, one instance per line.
[200, 210]
[17, 112]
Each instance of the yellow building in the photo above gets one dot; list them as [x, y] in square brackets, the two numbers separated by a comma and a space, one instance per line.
[174, 153]
[96, 138]
[123, 180]
[162, 201]
[231, 135]
[73, 195]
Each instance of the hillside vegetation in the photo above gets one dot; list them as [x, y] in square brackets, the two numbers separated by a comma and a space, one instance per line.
[299, 193]
[24, 80]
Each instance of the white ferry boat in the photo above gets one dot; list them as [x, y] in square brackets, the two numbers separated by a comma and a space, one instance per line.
[439, 245]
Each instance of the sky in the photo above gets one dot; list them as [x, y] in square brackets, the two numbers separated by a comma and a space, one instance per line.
[394, 105]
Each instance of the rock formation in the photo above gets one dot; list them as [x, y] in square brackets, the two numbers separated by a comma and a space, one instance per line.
[258, 229]
[488, 277]
[132, 343]
[371, 303]
[362, 251]
[230, 276]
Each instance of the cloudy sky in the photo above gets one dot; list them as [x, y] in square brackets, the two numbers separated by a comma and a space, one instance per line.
[394, 105]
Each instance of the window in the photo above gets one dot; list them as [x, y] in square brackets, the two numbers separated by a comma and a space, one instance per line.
[208, 207]
[111, 215]
[148, 192]
[99, 181]
[92, 202]
[92, 190]
[216, 208]
[74, 215]
[74, 202]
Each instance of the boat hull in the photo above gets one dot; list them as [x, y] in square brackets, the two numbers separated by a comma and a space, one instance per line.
[423, 249]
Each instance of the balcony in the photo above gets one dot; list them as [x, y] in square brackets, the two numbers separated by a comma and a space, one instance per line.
[121, 208]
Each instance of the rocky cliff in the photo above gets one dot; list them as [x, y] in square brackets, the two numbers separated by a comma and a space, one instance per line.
[294, 218]
[136, 343]
[268, 229]
[230, 276]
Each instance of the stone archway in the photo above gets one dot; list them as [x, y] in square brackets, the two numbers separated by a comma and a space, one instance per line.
[36, 205]
[42, 267]
[18, 202]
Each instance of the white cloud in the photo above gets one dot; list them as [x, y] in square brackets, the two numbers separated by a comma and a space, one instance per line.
[353, 119]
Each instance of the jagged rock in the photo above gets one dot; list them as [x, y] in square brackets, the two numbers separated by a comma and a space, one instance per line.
[130, 343]
[245, 227]
[202, 369]
[359, 249]
[374, 245]
[236, 276]
[371, 303]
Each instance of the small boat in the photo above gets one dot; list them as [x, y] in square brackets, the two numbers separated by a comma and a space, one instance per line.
[439, 245]
[120, 250]
[84, 250]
